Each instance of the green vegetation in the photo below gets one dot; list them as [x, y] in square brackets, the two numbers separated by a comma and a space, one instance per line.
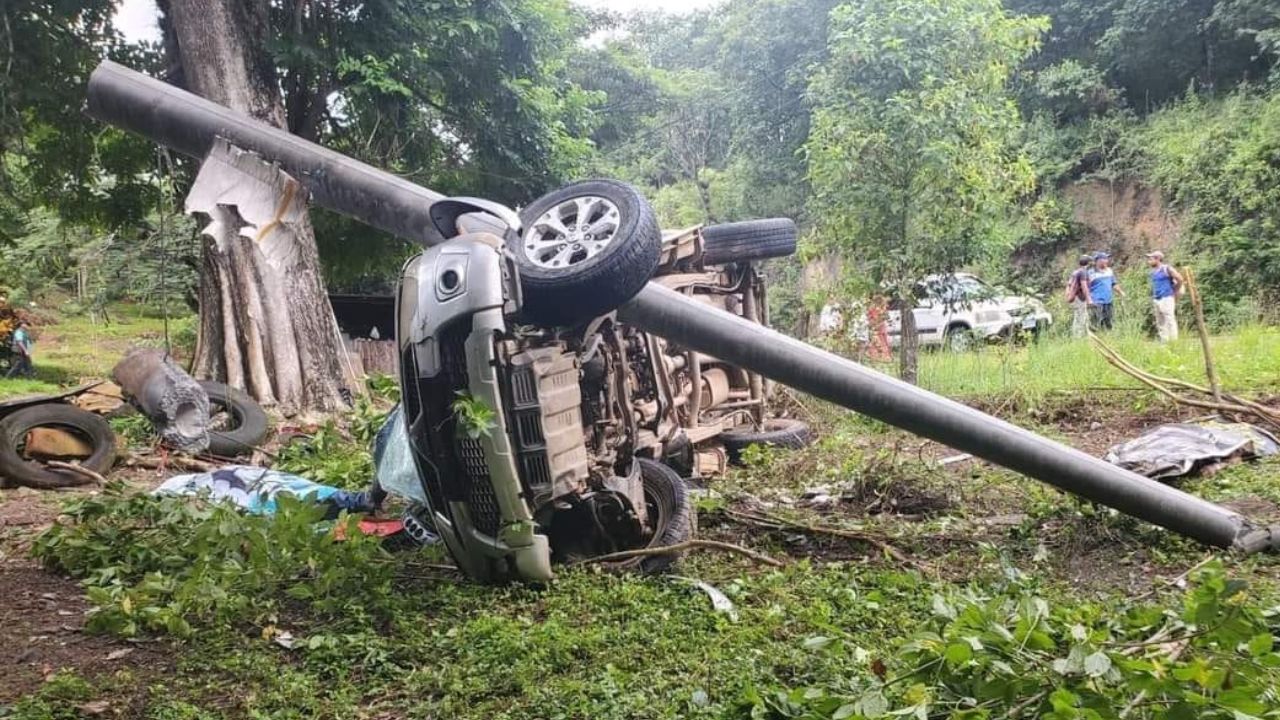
[1065, 365]
[72, 347]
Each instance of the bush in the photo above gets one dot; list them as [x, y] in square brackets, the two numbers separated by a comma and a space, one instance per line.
[171, 564]
[1012, 654]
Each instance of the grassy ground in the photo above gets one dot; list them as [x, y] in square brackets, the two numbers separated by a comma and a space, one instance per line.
[75, 348]
[841, 612]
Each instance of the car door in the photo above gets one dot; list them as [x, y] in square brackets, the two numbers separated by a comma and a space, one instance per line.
[931, 312]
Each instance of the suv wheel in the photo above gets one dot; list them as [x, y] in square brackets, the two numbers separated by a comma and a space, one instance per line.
[585, 249]
[671, 509]
[959, 339]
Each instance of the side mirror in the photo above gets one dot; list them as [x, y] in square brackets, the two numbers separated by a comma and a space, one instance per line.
[446, 213]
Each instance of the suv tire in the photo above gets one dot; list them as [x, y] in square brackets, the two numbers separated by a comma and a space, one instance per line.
[777, 432]
[748, 241]
[572, 268]
[665, 494]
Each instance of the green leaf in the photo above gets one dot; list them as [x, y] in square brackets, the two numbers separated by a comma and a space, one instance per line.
[1261, 644]
[958, 654]
[1097, 664]
[1242, 700]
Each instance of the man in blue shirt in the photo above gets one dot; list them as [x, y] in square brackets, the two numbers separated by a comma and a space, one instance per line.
[1103, 287]
[1166, 287]
[21, 346]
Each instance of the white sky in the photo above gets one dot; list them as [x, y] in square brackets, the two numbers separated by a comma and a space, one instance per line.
[137, 18]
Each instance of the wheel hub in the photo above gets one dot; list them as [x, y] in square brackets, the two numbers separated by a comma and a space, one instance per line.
[571, 233]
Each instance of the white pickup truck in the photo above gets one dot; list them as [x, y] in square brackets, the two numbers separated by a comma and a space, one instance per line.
[958, 310]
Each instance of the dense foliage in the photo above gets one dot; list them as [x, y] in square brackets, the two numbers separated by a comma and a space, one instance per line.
[724, 113]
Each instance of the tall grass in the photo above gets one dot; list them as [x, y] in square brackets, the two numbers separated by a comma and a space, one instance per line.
[1248, 360]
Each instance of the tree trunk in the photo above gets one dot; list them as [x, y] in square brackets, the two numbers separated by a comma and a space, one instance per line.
[266, 326]
[909, 347]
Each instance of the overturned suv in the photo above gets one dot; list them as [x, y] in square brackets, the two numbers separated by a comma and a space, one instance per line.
[543, 429]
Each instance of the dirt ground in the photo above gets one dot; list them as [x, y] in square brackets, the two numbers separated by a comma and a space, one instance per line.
[42, 615]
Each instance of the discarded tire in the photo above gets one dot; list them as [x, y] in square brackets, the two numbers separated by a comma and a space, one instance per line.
[586, 249]
[748, 241]
[778, 432]
[668, 502]
[92, 429]
[246, 424]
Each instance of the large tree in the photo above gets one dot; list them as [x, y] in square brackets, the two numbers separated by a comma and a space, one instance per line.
[911, 153]
[284, 353]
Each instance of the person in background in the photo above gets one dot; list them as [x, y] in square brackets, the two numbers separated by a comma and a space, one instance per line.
[1103, 287]
[1166, 287]
[21, 346]
[1078, 297]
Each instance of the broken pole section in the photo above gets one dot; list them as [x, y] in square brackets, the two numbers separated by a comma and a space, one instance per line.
[174, 403]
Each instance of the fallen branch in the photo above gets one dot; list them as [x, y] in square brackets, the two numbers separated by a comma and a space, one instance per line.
[1235, 405]
[184, 463]
[78, 470]
[778, 523]
[1134, 370]
[681, 547]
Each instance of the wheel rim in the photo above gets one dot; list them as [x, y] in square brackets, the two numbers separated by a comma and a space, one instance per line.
[572, 232]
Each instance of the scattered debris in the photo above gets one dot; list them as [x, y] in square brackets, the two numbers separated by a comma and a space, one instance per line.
[174, 402]
[719, 601]
[1180, 449]
[954, 459]
[84, 428]
[102, 399]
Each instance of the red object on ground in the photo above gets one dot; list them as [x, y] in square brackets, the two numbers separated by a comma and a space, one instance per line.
[377, 527]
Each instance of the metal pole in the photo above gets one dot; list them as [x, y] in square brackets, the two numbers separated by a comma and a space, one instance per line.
[817, 372]
[189, 124]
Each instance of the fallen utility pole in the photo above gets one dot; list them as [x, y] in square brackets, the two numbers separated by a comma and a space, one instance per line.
[174, 403]
[188, 124]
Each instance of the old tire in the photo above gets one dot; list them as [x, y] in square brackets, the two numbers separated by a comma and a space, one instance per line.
[777, 432]
[665, 496]
[748, 241]
[91, 428]
[248, 422]
[585, 249]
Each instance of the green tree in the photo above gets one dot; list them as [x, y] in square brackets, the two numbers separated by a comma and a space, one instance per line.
[912, 153]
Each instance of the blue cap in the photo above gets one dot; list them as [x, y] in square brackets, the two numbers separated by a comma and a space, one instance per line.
[1100, 255]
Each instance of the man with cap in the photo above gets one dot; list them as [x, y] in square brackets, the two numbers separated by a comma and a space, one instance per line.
[1078, 297]
[1103, 287]
[1166, 287]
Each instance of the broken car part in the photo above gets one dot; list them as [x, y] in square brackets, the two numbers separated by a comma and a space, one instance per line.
[174, 402]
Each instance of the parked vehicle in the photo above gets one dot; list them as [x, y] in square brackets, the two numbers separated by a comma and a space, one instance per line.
[545, 429]
[957, 311]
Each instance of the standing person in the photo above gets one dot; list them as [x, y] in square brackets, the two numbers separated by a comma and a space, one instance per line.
[1166, 287]
[21, 346]
[1078, 297]
[1103, 287]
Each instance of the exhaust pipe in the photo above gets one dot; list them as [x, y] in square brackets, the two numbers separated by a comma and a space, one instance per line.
[189, 124]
